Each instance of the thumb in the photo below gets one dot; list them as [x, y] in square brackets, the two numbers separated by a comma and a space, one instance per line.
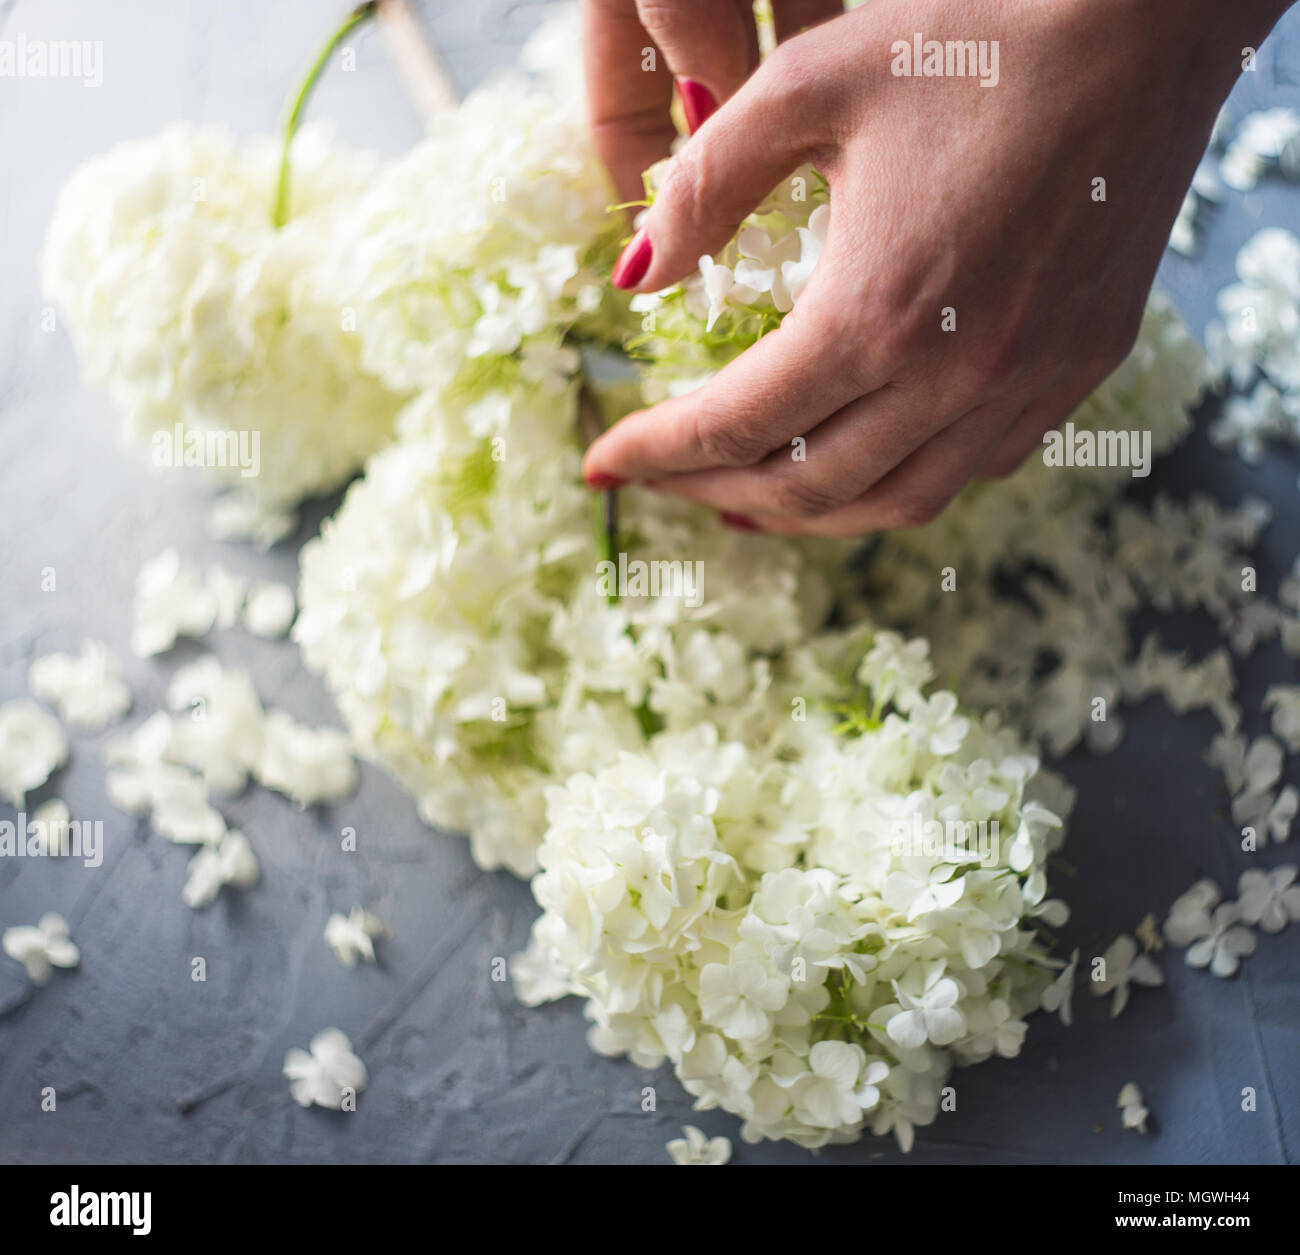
[733, 162]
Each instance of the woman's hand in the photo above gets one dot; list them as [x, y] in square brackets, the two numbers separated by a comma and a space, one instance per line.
[991, 245]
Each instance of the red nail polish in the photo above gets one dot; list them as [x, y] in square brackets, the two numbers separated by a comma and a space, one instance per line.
[741, 522]
[634, 262]
[698, 103]
[604, 483]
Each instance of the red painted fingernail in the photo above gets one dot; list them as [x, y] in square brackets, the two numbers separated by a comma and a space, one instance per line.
[634, 262]
[741, 522]
[604, 483]
[698, 103]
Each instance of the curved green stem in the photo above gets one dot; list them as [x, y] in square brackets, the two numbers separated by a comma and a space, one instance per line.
[362, 13]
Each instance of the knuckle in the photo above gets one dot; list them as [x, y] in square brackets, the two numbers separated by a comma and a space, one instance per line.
[790, 78]
[912, 509]
[685, 187]
[668, 22]
[803, 496]
[726, 441]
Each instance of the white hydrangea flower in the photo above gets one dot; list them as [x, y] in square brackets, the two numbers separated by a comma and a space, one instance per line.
[210, 328]
[33, 746]
[1258, 329]
[228, 861]
[49, 828]
[1225, 943]
[696, 1149]
[1266, 139]
[353, 936]
[42, 948]
[171, 600]
[1284, 701]
[1269, 899]
[1059, 995]
[242, 516]
[329, 1074]
[308, 765]
[1189, 917]
[1123, 966]
[228, 593]
[476, 251]
[1133, 1113]
[453, 606]
[87, 689]
[218, 728]
[141, 781]
[270, 609]
[799, 997]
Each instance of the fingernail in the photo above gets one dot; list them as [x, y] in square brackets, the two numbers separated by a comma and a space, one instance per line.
[741, 522]
[698, 103]
[604, 483]
[635, 261]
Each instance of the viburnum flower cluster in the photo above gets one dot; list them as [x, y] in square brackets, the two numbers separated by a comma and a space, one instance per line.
[812, 934]
[454, 606]
[205, 321]
[483, 248]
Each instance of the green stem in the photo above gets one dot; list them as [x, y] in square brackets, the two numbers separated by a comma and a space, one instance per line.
[362, 13]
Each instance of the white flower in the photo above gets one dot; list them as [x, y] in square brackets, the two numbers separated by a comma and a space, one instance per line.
[227, 861]
[1189, 917]
[1058, 996]
[329, 1075]
[309, 765]
[270, 609]
[1269, 899]
[87, 690]
[1225, 944]
[929, 1014]
[352, 936]
[228, 592]
[218, 729]
[32, 746]
[1284, 701]
[1133, 1114]
[244, 516]
[171, 600]
[42, 948]
[50, 830]
[1123, 966]
[721, 288]
[812, 240]
[739, 998]
[695, 1149]
[222, 339]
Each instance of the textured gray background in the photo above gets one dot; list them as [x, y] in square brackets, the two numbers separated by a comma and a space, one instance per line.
[150, 1066]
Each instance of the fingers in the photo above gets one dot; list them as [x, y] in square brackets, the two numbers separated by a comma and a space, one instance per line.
[777, 389]
[793, 16]
[629, 93]
[1026, 434]
[916, 491]
[775, 122]
[712, 43]
[838, 461]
